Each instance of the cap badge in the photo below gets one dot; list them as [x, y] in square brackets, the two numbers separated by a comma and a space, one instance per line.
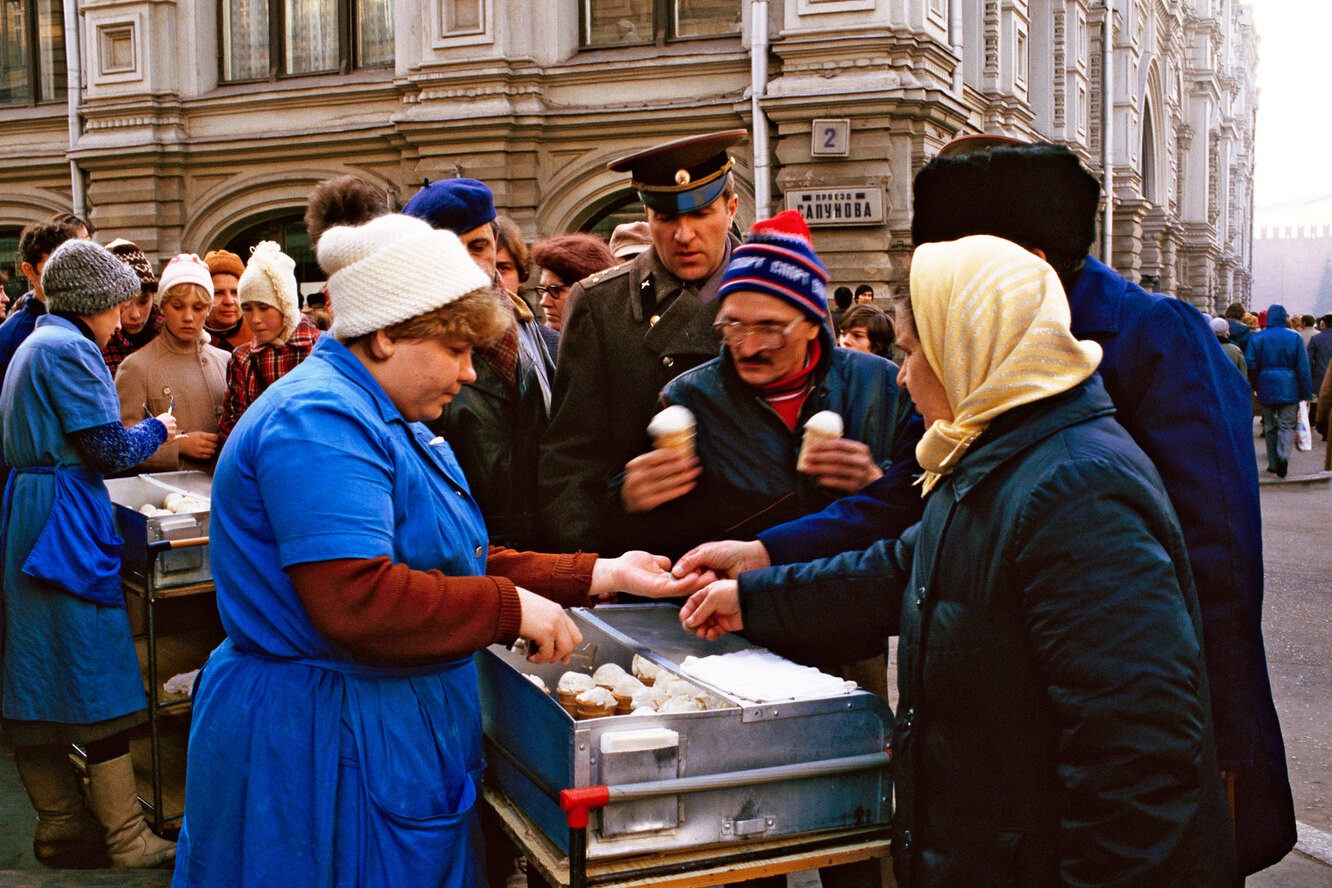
[682, 177]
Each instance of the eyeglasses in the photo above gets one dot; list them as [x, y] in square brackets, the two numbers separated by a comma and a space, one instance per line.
[554, 292]
[767, 334]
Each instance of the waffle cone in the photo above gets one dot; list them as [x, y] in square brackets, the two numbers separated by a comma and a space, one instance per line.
[681, 440]
[811, 437]
[585, 710]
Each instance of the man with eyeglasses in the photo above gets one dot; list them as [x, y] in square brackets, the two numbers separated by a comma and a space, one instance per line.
[778, 367]
[628, 331]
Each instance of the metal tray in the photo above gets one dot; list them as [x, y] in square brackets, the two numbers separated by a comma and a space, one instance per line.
[178, 567]
[537, 749]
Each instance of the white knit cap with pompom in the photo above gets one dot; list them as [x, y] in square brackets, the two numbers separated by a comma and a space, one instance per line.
[270, 278]
[391, 269]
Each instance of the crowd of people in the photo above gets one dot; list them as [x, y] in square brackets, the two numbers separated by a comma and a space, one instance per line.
[1021, 484]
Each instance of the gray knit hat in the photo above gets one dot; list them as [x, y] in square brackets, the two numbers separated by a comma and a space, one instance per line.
[82, 277]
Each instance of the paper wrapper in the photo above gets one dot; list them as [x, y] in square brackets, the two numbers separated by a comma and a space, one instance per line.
[811, 437]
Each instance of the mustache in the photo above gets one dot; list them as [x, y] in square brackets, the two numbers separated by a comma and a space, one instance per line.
[755, 361]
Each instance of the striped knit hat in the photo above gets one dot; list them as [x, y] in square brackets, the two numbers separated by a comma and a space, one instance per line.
[778, 260]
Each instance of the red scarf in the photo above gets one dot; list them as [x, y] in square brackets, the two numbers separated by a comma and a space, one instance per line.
[788, 395]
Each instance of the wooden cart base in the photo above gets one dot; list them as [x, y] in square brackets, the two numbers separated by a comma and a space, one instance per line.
[695, 868]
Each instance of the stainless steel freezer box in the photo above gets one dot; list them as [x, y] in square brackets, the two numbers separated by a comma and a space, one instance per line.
[179, 567]
[536, 749]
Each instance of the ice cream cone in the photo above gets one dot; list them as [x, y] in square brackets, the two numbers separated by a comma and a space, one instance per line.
[822, 426]
[673, 427]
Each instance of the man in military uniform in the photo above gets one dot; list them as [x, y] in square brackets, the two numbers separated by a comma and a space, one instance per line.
[630, 330]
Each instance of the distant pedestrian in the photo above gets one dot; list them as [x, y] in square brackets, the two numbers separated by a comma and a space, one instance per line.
[1320, 349]
[1279, 371]
[1235, 316]
[866, 328]
[629, 239]
[864, 295]
[225, 324]
[1221, 327]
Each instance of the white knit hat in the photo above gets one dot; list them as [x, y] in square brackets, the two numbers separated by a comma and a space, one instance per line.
[186, 268]
[392, 269]
[270, 279]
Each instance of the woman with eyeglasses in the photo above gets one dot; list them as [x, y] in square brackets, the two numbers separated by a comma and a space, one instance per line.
[564, 261]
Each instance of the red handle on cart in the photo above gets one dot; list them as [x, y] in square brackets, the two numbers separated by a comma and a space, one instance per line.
[575, 803]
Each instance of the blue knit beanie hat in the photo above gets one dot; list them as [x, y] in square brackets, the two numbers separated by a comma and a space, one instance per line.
[778, 259]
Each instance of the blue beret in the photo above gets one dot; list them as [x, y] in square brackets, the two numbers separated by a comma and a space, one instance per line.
[457, 205]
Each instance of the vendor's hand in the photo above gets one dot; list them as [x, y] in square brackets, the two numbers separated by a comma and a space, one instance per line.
[842, 464]
[657, 477]
[169, 421]
[547, 626]
[713, 611]
[643, 574]
[198, 445]
[727, 558]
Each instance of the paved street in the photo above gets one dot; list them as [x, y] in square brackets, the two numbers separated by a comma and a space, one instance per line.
[1297, 531]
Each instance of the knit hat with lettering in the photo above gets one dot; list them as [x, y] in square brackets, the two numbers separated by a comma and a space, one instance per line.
[224, 262]
[778, 259]
[129, 253]
[270, 279]
[82, 277]
[185, 268]
[392, 269]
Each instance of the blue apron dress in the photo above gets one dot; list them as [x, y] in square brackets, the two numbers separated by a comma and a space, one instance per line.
[305, 767]
[68, 649]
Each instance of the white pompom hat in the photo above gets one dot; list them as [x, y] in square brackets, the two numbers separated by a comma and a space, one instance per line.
[270, 279]
[392, 269]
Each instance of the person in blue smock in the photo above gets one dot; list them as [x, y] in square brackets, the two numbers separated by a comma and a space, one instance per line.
[70, 672]
[336, 735]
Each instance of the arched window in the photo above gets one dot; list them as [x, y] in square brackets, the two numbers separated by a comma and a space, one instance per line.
[1147, 163]
[17, 284]
[623, 206]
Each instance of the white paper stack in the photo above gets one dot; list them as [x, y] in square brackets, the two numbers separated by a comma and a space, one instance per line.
[762, 676]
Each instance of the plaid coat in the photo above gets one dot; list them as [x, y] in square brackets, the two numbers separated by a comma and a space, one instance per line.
[254, 368]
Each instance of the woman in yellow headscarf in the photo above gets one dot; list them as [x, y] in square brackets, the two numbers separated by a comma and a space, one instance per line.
[1053, 725]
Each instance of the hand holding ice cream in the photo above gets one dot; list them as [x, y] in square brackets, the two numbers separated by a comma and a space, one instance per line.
[669, 470]
[837, 463]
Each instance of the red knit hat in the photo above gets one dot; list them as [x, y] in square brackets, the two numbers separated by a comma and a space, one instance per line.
[778, 259]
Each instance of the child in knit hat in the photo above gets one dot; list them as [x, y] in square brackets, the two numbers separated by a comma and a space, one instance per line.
[140, 318]
[283, 337]
[179, 371]
[225, 322]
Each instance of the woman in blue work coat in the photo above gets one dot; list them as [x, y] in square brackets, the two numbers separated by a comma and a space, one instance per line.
[336, 737]
[70, 671]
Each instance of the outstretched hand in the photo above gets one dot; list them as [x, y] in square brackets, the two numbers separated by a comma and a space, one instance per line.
[645, 575]
[713, 611]
[727, 558]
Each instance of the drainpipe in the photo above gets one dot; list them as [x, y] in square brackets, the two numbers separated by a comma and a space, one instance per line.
[955, 40]
[758, 88]
[74, 89]
[1107, 132]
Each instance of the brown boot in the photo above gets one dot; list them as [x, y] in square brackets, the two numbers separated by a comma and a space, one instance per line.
[67, 836]
[114, 799]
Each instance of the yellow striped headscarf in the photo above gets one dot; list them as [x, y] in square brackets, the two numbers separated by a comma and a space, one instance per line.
[993, 324]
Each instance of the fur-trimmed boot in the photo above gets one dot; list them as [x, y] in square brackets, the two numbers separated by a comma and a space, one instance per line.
[67, 836]
[114, 799]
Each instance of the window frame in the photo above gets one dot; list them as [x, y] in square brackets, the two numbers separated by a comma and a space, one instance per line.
[345, 28]
[32, 70]
[663, 23]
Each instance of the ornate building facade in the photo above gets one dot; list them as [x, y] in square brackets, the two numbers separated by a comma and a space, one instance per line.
[203, 123]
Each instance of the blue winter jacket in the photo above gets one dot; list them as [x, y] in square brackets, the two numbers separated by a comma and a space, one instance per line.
[1278, 362]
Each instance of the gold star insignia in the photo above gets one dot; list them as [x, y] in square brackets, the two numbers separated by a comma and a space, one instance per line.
[682, 177]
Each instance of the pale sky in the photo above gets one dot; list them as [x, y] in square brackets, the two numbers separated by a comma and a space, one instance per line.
[1293, 169]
